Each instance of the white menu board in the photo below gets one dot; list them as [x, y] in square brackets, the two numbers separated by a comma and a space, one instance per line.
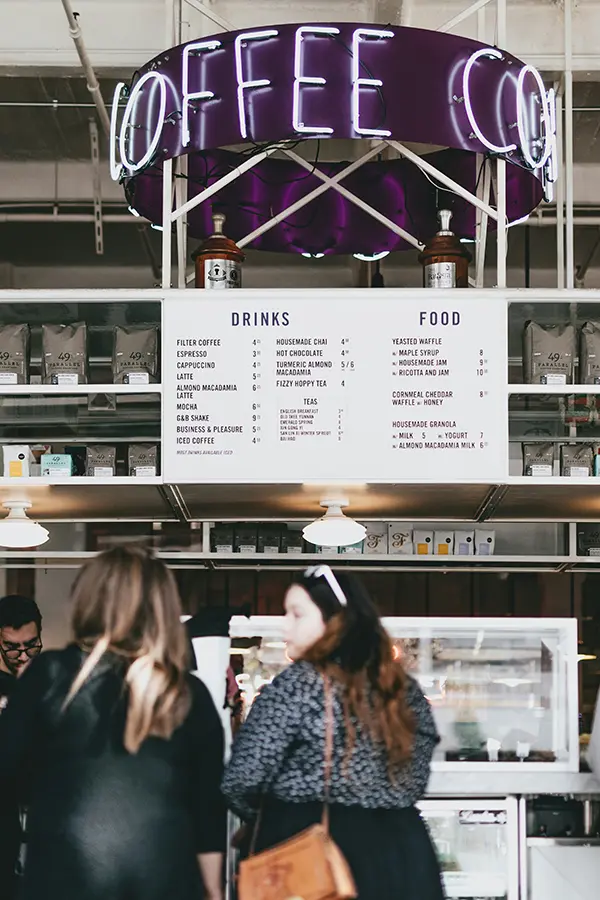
[344, 385]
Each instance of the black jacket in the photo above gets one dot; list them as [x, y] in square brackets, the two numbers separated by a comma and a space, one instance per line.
[102, 822]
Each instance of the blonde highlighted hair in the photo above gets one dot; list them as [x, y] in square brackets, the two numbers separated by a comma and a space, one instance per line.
[126, 603]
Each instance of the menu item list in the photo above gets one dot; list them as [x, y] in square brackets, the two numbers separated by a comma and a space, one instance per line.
[300, 386]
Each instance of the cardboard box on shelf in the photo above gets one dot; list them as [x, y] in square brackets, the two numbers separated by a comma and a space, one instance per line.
[221, 538]
[423, 543]
[443, 543]
[56, 465]
[18, 460]
[400, 539]
[485, 542]
[464, 543]
[376, 538]
[245, 537]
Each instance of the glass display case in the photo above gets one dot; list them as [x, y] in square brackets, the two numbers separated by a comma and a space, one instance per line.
[477, 844]
[503, 691]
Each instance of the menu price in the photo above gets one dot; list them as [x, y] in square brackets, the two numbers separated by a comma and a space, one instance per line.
[335, 385]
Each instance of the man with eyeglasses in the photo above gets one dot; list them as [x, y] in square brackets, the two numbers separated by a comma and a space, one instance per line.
[20, 642]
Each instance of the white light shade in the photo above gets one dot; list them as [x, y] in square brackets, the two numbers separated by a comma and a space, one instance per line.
[334, 529]
[17, 531]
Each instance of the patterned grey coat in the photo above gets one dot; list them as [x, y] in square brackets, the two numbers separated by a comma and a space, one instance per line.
[280, 751]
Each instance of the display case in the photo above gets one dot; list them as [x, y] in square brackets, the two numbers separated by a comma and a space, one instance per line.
[503, 691]
[477, 844]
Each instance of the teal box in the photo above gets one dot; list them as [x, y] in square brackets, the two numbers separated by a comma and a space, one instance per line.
[57, 465]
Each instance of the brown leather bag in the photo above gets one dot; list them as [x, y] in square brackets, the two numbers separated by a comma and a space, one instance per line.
[310, 865]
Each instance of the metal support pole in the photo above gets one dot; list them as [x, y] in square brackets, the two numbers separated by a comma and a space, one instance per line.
[86, 63]
[181, 195]
[167, 205]
[502, 236]
[482, 234]
[97, 187]
[502, 233]
[570, 242]
[560, 192]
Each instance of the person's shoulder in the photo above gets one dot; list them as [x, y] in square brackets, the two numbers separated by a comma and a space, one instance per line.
[200, 695]
[298, 676]
[52, 662]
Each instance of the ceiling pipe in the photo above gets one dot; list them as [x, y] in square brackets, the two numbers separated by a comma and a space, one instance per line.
[92, 81]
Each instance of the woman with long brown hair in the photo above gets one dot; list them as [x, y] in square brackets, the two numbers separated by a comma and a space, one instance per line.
[119, 749]
[383, 741]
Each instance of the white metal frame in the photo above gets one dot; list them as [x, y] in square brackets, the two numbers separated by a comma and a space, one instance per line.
[565, 191]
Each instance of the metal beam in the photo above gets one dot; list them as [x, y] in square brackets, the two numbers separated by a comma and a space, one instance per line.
[444, 179]
[411, 239]
[312, 195]
[460, 17]
[222, 182]
[86, 63]
[225, 24]
[97, 187]
[569, 190]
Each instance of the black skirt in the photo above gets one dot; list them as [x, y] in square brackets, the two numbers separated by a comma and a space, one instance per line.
[389, 851]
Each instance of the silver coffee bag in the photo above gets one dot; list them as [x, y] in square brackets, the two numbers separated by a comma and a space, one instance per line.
[142, 460]
[100, 460]
[548, 353]
[538, 460]
[576, 460]
[14, 354]
[64, 354]
[135, 354]
[589, 353]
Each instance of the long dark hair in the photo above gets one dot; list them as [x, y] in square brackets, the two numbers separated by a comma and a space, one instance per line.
[357, 652]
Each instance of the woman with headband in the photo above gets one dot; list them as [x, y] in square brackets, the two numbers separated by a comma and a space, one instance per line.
[383, 740]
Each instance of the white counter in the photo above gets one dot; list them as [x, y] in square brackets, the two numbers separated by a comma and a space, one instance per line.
[502, 784]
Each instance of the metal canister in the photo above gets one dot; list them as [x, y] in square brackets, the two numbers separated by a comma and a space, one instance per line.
[445, 259]
[218, 260]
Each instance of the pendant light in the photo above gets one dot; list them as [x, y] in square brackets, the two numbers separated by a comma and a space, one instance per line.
[17, 531]
[334, 529]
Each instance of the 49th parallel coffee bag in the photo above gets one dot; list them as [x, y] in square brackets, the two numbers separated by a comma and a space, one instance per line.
[589, 353]
[101, 461]
[14, 354]
[548, 353]
[135, 354]
[64, 354]
[142, 460]
[577, 460]
[538, 460]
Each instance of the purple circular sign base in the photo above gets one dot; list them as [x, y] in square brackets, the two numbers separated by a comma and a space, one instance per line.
[345, 81]
[331, 224]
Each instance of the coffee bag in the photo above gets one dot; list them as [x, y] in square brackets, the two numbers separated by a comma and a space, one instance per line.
[64, 354]
[576, 460]
[538, 460]
[135, 354]
[142, 460]
[589, 353]
[14, 354]
[548, 353]
[101, 461]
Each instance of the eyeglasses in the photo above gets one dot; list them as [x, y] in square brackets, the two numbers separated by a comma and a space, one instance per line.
[326, 573]
[15, 652]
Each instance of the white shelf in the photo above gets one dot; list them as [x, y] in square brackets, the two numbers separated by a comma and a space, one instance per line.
[559, 389]
[77, 480]
[8, 390]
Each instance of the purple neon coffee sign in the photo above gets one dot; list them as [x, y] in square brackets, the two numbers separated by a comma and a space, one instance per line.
[341, 80]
